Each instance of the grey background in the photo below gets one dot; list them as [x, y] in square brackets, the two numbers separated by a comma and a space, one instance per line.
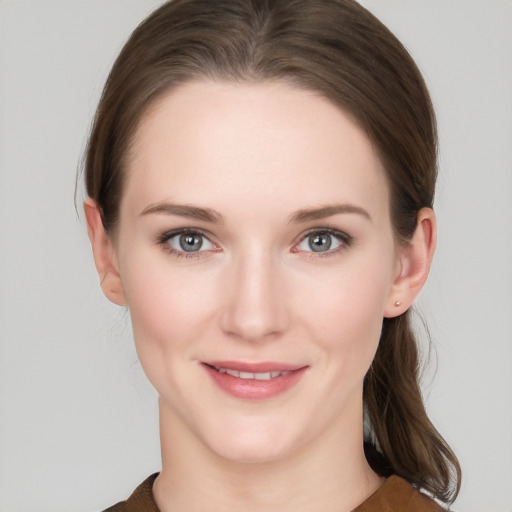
[78, 422]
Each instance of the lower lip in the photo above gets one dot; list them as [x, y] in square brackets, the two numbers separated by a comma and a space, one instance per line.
[253, 389]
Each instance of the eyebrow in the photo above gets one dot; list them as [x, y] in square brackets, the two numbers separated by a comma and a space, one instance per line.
[185, 210]
[327, 211]
[209, 215]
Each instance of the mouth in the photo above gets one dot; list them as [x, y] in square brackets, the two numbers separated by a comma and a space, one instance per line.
[254, 381]
[274, 374]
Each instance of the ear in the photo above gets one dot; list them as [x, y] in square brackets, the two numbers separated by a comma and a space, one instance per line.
[414, 259]
[104, 254]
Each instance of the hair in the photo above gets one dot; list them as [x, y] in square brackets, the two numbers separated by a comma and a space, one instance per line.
[340, 50]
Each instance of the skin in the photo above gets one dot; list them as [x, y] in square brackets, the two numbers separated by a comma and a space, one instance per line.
[256, 155]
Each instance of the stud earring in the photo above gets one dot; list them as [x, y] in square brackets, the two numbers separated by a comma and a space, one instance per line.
[398, 303]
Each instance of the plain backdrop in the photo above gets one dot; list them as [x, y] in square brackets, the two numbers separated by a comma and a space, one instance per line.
[78, 421]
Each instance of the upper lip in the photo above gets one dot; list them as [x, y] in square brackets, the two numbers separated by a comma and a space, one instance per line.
[262, 367]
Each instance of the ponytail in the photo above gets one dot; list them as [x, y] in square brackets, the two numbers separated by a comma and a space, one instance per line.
[404, 440]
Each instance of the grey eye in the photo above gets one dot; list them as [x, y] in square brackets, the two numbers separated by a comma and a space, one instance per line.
[320, 242]
[190, 242]
[323, 241]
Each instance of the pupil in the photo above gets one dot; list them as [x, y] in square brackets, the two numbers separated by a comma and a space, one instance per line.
[190, 243]
[320, 242]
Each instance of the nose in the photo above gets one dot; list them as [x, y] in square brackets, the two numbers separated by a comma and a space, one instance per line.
[256, 306]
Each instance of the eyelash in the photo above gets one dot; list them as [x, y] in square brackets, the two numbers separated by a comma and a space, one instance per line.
[344, 239]
[164, 238]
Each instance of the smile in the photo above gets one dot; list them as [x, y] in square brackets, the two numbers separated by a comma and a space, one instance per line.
[249, 375]
[258, 381]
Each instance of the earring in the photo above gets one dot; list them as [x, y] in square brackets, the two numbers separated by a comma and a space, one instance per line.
[398, 303]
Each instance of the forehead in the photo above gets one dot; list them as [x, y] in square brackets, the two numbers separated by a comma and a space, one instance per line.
[252, 145]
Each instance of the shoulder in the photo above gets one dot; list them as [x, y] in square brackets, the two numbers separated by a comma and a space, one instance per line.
[397, 495]
[141, 499]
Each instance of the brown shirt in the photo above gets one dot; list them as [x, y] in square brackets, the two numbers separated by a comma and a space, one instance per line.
[394, 495]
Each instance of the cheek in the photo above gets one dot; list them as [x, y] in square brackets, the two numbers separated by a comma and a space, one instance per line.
[167, 307]
[345, 314]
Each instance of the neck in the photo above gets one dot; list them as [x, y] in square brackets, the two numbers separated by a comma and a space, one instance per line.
[329, 474]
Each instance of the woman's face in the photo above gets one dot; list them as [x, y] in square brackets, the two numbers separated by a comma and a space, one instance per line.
[257, 259]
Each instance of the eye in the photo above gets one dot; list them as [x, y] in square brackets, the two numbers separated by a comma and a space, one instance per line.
[324, 241]
[186, 242]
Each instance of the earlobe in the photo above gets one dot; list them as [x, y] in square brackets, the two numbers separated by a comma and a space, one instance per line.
[104, 254]
[415, 258]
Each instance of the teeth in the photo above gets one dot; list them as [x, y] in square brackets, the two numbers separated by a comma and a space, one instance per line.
[254, 376]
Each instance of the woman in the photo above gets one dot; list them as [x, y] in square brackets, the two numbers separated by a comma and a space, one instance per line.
[260, 178]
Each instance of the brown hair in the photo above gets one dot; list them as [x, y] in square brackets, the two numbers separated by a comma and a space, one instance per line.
[339, 49]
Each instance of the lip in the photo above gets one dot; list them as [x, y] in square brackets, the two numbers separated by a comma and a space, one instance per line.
[255, 367]
[254, 389]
